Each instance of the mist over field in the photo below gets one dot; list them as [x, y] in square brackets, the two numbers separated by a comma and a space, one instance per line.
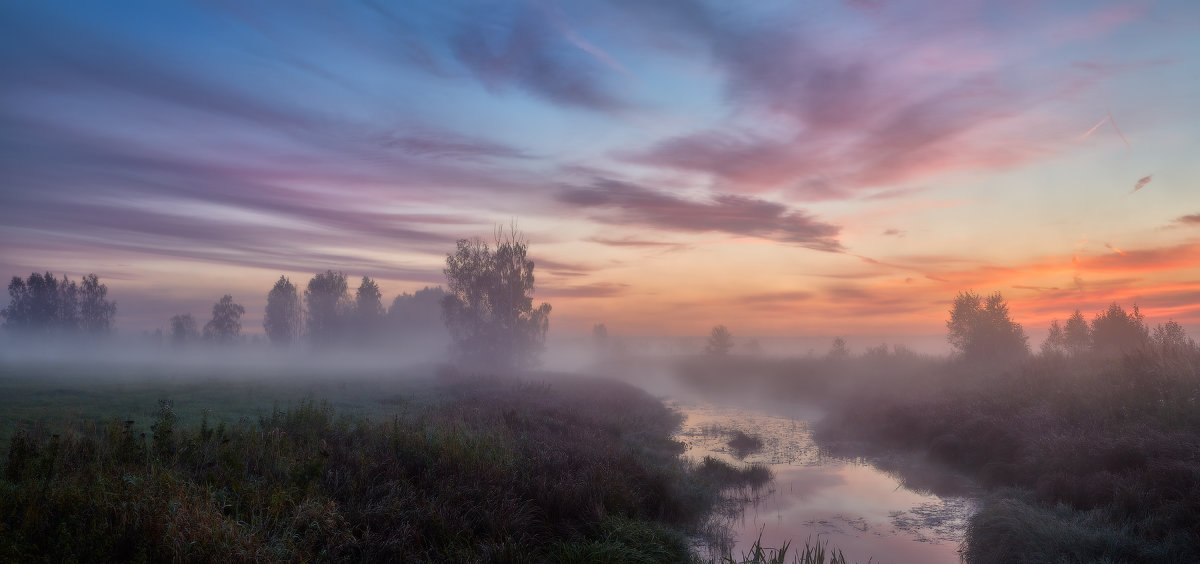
[653, 281]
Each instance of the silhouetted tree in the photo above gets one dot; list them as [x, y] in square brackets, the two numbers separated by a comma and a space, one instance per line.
[183, 329]
[44, 307]
[1077, 338]
[226, 322]
[1116, 332]
[838, 349]
[328, 300]
[489, 307]
[720, 341]
[95, 311]
[282, 319]
[1169, 339]
[1056, 340]
[368, 311]
[981, 330]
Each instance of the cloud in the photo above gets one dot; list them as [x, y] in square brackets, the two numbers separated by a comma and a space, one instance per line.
[736, 215]
[1141, 183]
[1193, 219]
[595, 290]
[526, 47]
[893, 233]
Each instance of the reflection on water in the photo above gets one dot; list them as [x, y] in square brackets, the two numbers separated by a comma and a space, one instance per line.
[864, 511]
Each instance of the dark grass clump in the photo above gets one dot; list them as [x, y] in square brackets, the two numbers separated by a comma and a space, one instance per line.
[490, 471]
[744, 445]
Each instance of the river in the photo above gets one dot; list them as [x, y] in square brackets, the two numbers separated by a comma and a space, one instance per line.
[851, 502]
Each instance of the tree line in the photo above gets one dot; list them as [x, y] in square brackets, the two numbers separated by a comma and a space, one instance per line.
[487, 314]
[46, 308]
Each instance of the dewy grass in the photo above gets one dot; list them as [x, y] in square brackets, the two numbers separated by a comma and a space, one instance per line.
[486, 470]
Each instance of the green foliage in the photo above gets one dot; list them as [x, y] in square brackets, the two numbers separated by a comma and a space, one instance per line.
[483, 470]
[980, 329]
[282, 319]
[489, 309]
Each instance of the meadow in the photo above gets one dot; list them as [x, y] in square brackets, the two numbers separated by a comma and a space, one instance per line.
[128, 462]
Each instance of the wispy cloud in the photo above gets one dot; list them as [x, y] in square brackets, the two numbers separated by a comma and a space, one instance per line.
[623, 203]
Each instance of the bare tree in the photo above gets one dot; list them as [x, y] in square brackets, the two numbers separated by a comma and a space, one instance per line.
[282, 319]
[489, 309]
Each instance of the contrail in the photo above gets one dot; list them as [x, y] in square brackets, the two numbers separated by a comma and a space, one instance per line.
[1114, 123]
[1093, 129]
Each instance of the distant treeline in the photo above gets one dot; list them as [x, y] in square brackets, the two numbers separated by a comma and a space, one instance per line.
[326, 314]
[486, 319]
[46, 308]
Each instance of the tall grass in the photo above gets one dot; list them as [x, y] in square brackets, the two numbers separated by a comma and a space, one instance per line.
[490, 471]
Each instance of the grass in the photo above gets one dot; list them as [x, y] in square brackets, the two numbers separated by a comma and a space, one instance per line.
[1086, 459]
[456, 469]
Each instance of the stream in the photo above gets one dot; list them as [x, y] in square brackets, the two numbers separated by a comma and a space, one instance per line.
[853, 503]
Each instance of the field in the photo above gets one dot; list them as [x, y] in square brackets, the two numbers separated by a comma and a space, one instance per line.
[153, 463]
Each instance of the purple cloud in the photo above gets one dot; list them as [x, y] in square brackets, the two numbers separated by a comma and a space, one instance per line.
[736, 215]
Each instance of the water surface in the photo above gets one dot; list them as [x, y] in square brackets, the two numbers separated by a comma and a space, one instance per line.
[866, 512]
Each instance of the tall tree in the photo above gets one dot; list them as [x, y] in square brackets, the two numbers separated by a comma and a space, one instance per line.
[183, 329]
[1116, 332]
[980, 329]
[282, 319]
[45, 307]
[368, 311]
[327, 297]
[226, 322]
[489, 308]
[1077, 338]
[95, 311]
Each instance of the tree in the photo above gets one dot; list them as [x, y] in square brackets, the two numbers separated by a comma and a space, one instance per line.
[720, 341]
[282, 319]
[95, 312]
[368, 311]
[45, 307]
[183, 329]
[1077, 338]
[980, 329]
[1116, 332]
[1056, 340]
[1170, 339]
[226, 321]
[838, 350]
[488, 309]
[328, 300]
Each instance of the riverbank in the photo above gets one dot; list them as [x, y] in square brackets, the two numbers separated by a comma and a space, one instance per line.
[1084, 459]
[460, 469]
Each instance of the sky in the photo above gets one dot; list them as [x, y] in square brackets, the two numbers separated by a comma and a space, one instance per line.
[783, 168]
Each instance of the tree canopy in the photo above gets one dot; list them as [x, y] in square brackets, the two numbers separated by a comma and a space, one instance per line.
[488, 308]
[980, 329]
[45, 307]
[226, 322]
[281, 322]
